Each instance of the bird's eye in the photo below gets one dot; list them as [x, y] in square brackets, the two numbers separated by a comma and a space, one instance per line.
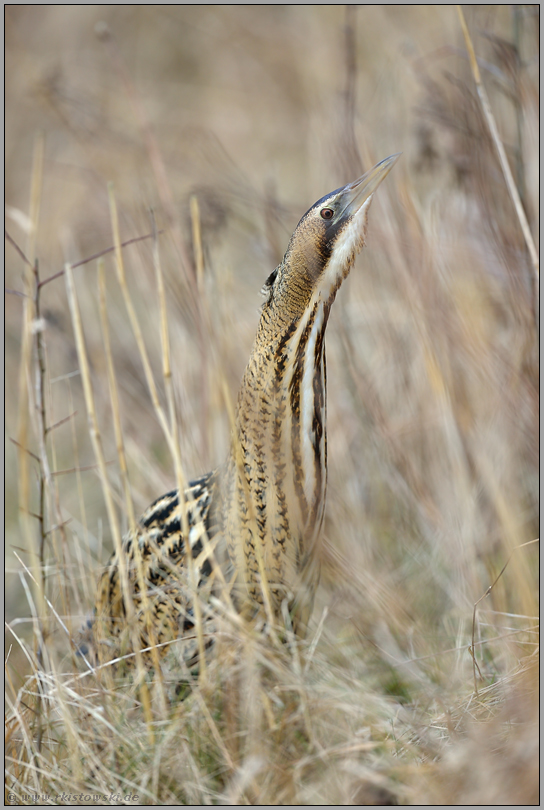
[327, 213]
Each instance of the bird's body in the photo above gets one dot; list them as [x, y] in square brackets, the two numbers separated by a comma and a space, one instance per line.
[254, 524]
[161, 543]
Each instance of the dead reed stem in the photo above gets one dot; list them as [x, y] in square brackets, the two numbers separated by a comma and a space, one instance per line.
[505, 166]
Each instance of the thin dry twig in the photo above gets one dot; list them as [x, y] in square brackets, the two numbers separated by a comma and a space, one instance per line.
[98, 256]
[21, 253]
[26, 400]
[105, 252]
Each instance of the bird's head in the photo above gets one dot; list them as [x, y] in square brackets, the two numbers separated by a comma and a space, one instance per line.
[325, 243]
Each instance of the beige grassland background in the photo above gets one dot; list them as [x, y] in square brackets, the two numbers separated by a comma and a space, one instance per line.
[255, 112]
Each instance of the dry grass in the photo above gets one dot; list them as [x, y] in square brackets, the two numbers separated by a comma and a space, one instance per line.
[253, 113]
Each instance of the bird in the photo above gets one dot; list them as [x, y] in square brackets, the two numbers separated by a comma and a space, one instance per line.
[248, 533]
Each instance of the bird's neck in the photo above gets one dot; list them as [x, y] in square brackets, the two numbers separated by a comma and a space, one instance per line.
[275, 496]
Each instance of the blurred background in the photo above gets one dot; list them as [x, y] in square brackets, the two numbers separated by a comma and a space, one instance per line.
[255, 112]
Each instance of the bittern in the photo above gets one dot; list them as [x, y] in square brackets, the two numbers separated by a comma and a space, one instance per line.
[254, 524]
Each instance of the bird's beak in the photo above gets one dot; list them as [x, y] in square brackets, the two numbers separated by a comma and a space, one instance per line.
[358, 192]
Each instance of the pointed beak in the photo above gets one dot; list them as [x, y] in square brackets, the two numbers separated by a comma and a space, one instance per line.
[360, 190]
